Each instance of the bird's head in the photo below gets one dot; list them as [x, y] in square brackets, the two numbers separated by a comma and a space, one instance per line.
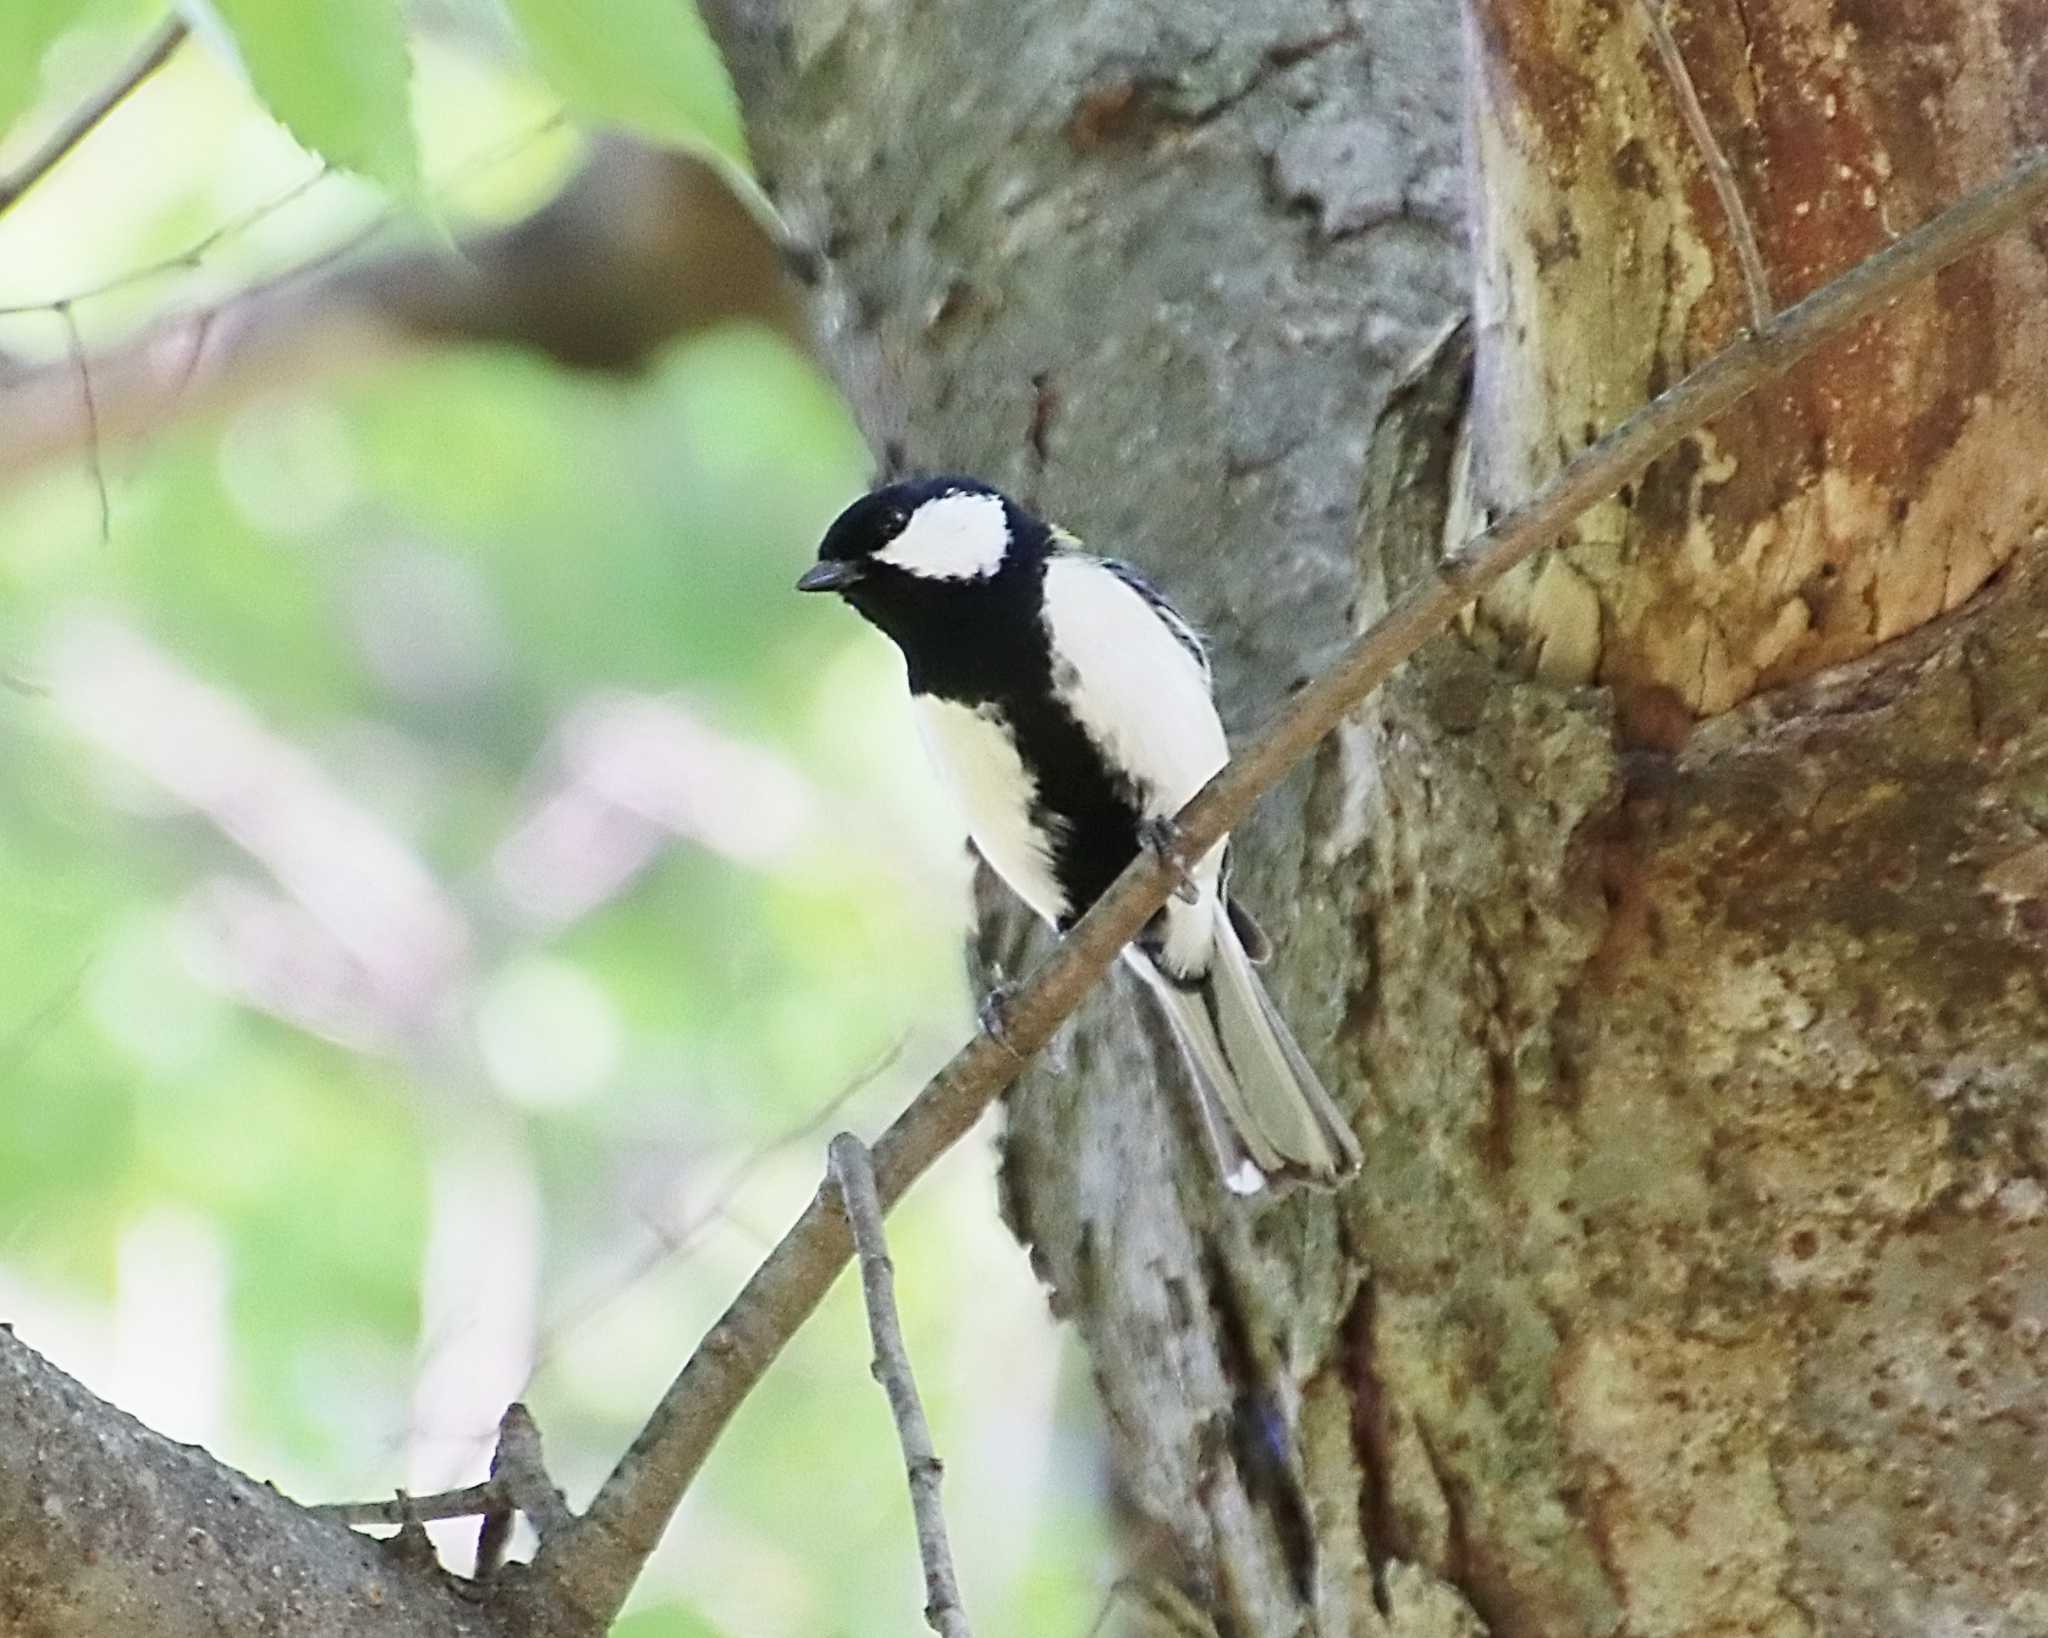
[924, 548]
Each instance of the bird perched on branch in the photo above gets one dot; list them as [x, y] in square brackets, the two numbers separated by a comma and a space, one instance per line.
[1068, 707]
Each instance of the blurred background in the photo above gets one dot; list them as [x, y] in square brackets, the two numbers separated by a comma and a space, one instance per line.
[450, 886]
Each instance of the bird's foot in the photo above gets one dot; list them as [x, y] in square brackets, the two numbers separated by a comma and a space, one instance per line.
[993, 1013]
[1161, 839]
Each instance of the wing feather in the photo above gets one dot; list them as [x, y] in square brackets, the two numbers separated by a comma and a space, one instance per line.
[1169, 616]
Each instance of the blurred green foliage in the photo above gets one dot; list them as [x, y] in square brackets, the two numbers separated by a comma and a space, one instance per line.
[445, 875]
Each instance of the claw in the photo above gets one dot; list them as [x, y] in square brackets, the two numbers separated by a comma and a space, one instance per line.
[993, 1013]
[1160, 837]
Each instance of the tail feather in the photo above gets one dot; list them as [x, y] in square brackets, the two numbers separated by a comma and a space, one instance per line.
[1267, 1115]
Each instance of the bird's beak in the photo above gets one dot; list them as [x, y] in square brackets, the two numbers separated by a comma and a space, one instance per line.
[834, 574]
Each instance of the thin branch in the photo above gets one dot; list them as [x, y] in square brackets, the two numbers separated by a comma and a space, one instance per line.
[64, 307]
[596, 1563]
[94, 464]
[674, 1242]
[187, 260]
[1756, 282]
[521, 1469]
[640, 246]
[465, 1503]
[854, 1174]
[519, 1481]
[78, 125]
[519, 1473]
[190, 258]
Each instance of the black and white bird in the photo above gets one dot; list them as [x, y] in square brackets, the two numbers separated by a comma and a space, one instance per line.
[1069, 709]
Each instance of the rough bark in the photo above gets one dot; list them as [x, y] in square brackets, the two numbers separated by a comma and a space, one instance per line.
[109, 1529]
[1692, 1285]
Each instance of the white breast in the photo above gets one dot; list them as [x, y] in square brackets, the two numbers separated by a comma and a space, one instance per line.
[977, 759]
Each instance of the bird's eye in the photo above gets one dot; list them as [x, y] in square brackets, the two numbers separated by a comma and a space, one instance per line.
[895, 520]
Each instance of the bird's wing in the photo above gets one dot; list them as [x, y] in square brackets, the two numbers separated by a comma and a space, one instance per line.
[1134, 679]
[1169, 616]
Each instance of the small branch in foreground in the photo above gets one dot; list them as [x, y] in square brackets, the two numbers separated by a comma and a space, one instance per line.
[78, 124]
[854, 1174]
[95, 463]
[519, 1482]
[595, 1564]
[1756, 283]
[521, 1471]
[401, 1509]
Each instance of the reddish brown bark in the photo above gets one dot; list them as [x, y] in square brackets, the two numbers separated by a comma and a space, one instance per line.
[1878, 486]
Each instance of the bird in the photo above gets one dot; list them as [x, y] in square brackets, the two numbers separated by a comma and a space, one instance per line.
[1069, 709]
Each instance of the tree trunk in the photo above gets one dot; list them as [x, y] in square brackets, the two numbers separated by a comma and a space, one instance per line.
[1870, 491]
[1694, 1281]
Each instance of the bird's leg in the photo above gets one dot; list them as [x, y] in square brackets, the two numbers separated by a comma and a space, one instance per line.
[1160, 837]
[993, 1012]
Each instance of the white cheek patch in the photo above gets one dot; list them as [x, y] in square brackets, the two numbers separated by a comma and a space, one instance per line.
[956, 537]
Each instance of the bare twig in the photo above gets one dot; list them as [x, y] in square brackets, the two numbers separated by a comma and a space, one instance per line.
[519, 1482]
[78, 124]
[854, 1174]
[465, 1503]
[521, 1470]
[1756, 283]
[596, 1563]
[640, 246]
[674, 1242]
[194, 254]
[93, 463]
[493, 1536]
[186, 260]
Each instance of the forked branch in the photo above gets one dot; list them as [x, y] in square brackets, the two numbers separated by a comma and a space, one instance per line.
[519, 1483]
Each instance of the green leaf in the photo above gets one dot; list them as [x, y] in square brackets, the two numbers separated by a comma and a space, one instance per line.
[646, 64]
[28, 28]
[334, 73]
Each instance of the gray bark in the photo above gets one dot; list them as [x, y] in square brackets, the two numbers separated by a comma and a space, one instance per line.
[109, 1529]
[1694, 1282]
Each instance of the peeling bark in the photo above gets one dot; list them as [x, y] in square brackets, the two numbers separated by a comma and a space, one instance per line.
[1693, 1285]
[1876, 487]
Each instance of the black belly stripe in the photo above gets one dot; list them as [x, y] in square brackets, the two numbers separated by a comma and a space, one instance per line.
[1001, 657]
